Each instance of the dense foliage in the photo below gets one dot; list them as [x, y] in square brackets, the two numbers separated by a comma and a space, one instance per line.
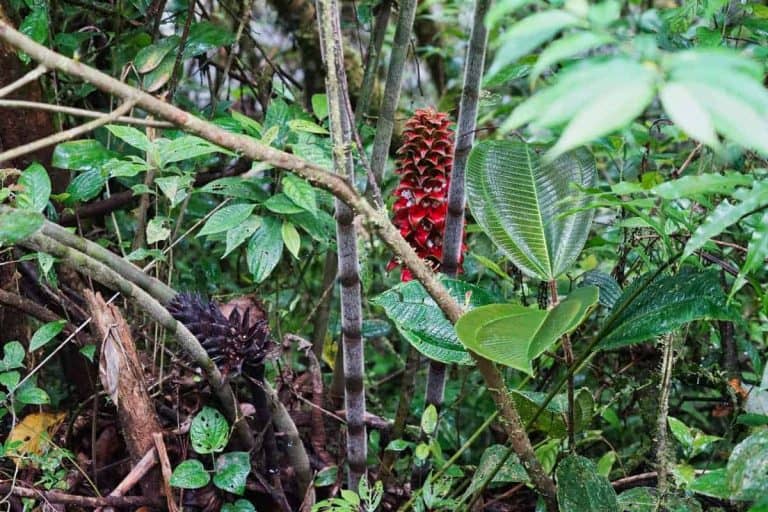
[292, 180]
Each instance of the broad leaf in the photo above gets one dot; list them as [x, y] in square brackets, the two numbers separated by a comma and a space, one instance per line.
[130, 136]
[686, 111]
[727, 214]
[209, 431]
[748, 467]
[16, 225]
[565, 48]
[511, 472]
[553, 420]
[422, 323]
[580, 488]
[37, 188]
[710, 183]
[610, 291]
[190, 474]
[300, 192]
[265, 249]
[151, 56]
[187, 147]
[232, 470]
[206, 36]
[515, 335]
[520, 201]
[227, 218]
[649, 309]
[240, 233]
[81, 155]
[45, 334]
[86, 186]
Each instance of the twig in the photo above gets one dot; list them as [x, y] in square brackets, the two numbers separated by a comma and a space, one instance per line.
[31, 308]
[372, 59]
[24, 80]
[165, 468]
[386, 122]
[67, 134]
[678, 172]
[81, 112]
[73, 499]
[136, 474]
[180, 50]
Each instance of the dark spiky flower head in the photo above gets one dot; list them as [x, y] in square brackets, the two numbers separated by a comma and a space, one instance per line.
[230, 341]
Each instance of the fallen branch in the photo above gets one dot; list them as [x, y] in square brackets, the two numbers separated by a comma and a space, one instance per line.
[74, 499]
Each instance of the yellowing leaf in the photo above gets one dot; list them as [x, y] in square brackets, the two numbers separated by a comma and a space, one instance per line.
[33, 432]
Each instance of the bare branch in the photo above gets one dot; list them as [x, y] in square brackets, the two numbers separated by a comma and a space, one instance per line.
[24, 80]
[81, 112]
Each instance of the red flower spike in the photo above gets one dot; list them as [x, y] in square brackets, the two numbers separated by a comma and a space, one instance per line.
[424, 163]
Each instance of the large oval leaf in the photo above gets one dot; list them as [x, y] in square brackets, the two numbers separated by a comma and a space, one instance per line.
[581, 488]
[651, 307]
[514, 335]
[420, 321]
[520, 202]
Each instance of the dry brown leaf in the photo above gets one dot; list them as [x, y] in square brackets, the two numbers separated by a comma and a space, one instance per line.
[34, 432]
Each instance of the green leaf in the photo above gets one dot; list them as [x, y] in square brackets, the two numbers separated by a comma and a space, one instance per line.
[502, 9]
[686, 111]
[13, 356]
[125, 168]
[227, 218]
[81, 155]
[327, 476]
[610, 291]
[580, 488]
[300, 192]
[511, 472]
[554, 419]
[520, 203]
[712, 483]
[608, 113]
[710, 183]
[151, 56]
[37, 188]
[30, 394]
[157, 230]
[175, 187]
[159, 76]
[279, 203]
[757, 252]
[320, 106]
[86, 186]
[249, 125]
[514, 335]
[303, 125]
[265, 249]
[10, 379]
[190, 474]
[209, 431]
[35, 26]
[528, 34]
[421, 322]
[727, 214]
[16, 225]
[291, 238]
[567, 47]
[639, 499]
[748, 467]
[606, 462]
[232, 470]
[649, 309]
[206, 36]
[45, 334]
[188, 147]
[235, 187]
[130, 136]
[681, 432]
[238, 506]
[429, 420]
[240, 233]
[319, 155]
[88, 351]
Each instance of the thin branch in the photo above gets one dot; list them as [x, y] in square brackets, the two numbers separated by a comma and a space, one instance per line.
[67, 134]
[24, 80]
[73, 499]
[81, 112]
[372, 59]
[386, 122]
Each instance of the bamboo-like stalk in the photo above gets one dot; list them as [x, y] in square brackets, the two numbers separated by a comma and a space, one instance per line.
[377, 219]
[386, 122]
[465, 135]
[346, 241]
[372, 59]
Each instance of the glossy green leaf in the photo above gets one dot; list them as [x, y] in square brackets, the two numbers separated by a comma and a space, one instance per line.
[502, 9]
[320, 106]
[300, 192]
[429, 420]
[10, 379]
[35, 26]
[727, 214]
[649, 309]
[188, 147]
[712, 483]
[567, 47]
[265, 249]
[190, 474]
[232, 469]
[420, 321]
[209, 431]
[515, 335]
[610, 291]
[46, 333]
[291, 238]
[227, 218]
[520, 202]
[16, 225]
[30, 394]
[13, 356]
[151, 56]
[553, 420]
[280, 203]
[580, 488]
[240, 233]
[86, 186]
[528, 34]
[130, 136]
[81, 155]
[747, 469]
[303, 125]
[125, 168]
[238, 506]
[757, 252]
[36, 188]
[235, 187]
[160, 75]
